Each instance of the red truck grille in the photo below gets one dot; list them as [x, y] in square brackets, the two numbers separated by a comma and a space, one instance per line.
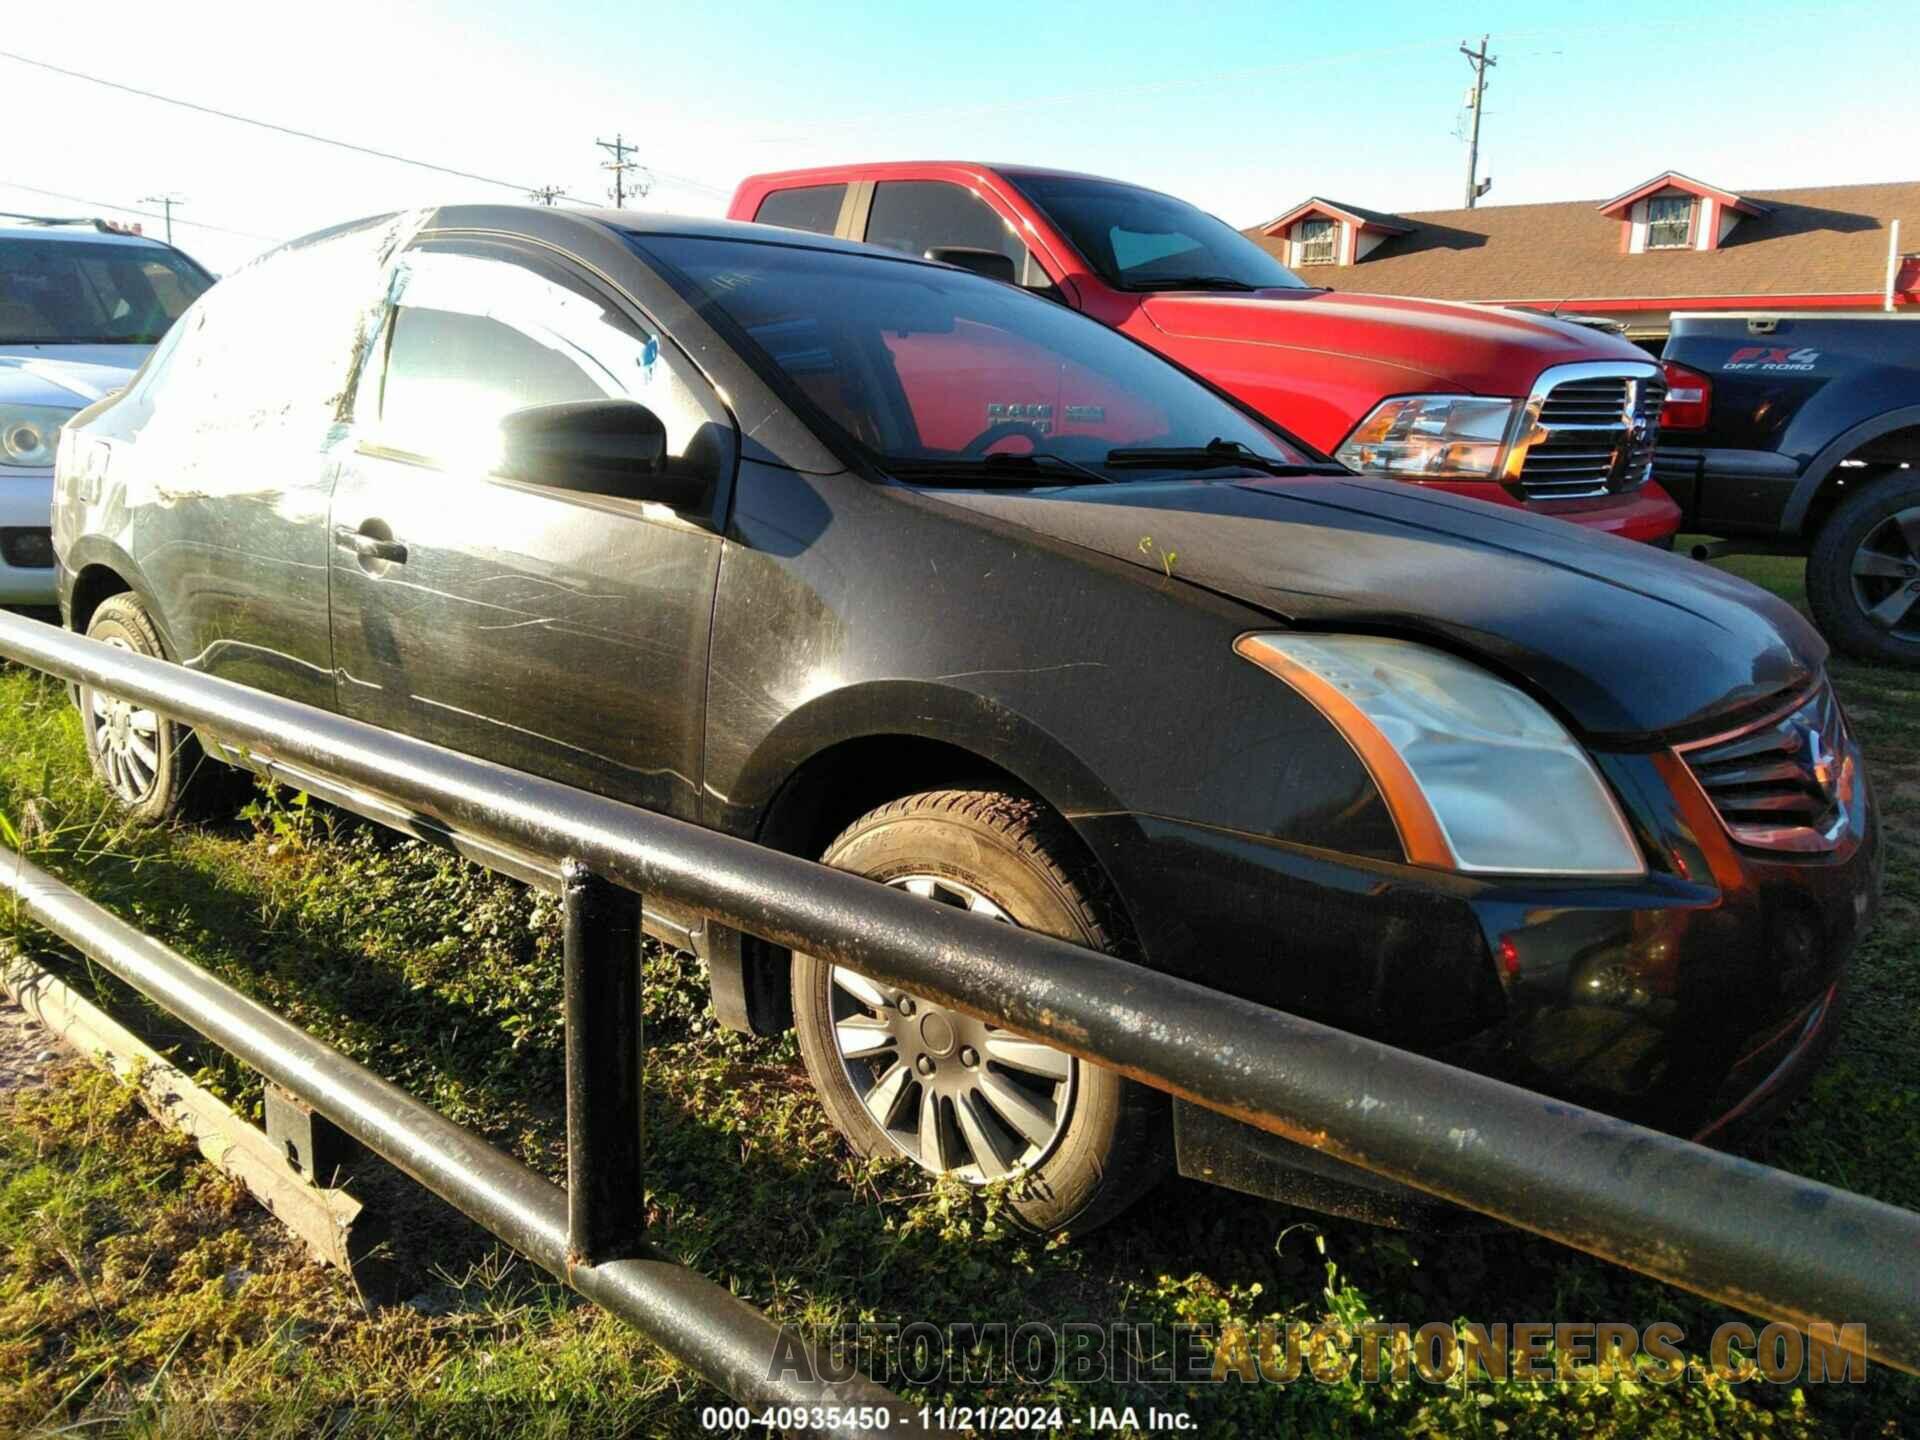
[1591, 431]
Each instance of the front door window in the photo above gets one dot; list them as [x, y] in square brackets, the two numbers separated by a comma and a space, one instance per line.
[921, 215]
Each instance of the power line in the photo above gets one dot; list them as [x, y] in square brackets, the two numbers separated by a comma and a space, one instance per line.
[278, 129]
[690, 184]
[1213, 79]
[130, 210]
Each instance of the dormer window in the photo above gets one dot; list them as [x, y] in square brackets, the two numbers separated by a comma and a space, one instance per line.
[1670, 222]
[1318, 241]
[1323, 232]
[1677, 212]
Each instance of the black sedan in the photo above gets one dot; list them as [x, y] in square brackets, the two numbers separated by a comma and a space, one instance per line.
[885, 562]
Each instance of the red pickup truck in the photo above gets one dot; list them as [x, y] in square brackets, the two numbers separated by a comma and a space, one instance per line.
[1500, 404]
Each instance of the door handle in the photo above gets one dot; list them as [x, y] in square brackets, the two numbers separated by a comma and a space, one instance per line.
[369, 547]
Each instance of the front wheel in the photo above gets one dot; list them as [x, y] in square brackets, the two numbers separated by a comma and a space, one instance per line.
[1863, 575]
[899, 1074]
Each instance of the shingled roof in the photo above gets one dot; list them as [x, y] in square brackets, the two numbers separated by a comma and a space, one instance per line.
[1828, 240]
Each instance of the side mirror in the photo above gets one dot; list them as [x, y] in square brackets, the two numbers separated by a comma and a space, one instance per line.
[990, 263]
[595, 447]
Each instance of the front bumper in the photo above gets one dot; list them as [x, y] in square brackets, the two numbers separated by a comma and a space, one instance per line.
[1647, 514]
[26, 503]
[1686, 1000]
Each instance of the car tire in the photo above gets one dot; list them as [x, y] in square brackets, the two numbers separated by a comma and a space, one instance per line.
[1875, 530]
[153, 767]
[1084, 1141]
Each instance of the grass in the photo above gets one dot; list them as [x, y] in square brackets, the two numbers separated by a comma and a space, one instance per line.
[140, 1292]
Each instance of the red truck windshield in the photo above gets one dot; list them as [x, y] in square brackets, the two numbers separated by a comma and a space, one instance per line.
[921, 365]
[1142, 240]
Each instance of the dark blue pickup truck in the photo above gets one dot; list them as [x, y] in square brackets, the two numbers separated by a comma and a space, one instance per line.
[1799, 433]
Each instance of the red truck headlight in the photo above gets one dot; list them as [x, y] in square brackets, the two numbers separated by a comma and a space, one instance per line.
[1689, 400]
[1430, 437]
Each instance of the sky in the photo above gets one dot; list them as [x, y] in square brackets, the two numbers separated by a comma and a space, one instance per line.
[1243, 108]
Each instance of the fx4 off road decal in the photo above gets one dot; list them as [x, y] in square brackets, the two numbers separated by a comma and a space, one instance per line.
[1771, 357]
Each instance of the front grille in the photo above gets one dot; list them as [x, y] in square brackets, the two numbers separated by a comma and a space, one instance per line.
[1784, 783]
[1592, 434]
[27, 549]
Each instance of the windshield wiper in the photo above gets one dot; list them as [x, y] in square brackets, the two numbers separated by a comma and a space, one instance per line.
[1194, 282]
[1213, 455]
[1025, 468]
[1040, 459]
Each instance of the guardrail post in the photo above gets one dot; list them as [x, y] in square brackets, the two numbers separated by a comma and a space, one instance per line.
[606, 1210]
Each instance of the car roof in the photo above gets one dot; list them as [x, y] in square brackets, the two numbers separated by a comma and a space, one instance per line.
[817, 174]
[83, 232]
[543, 220]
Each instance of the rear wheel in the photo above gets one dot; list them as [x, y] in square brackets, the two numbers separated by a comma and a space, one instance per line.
[1863, 575]
[899, 1074]
[152, 766]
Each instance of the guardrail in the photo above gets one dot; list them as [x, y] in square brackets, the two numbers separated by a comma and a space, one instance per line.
[1750, 1236]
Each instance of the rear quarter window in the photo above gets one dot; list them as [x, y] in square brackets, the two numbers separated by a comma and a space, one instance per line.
[808, 207]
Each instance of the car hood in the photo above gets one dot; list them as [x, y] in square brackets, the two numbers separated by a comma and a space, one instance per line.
[1434, 345]
[68, 375]
[1627, 641]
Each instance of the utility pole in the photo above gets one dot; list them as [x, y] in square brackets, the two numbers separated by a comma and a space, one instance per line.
[1481, 63]
[619, 165]
[166, 203]
[546, 194]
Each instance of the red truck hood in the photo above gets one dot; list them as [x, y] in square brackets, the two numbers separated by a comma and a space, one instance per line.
[1436, 345]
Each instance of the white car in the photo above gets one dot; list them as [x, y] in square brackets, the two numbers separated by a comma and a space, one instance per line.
[81, 306]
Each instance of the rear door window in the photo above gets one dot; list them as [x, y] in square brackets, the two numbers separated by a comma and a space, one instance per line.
[918, 215]
[274, 346]
[806, 207]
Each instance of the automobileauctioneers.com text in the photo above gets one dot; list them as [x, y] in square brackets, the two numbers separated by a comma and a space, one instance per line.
[922, 1353]
[1181, 1356]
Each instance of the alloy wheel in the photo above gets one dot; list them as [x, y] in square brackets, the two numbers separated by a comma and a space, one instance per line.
[956, 1095]
[1886, 574]
[126, 737]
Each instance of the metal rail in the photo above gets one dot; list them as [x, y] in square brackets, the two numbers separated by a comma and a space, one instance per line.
[691, 1318]
[1753, 1237]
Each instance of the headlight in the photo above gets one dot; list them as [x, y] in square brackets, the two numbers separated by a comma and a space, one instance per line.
[1478, 776]
[1430, 437]
[28, 433]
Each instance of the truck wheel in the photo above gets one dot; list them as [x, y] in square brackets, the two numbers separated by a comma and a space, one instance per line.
[902, 1075]
[1863, 575]
[152, 766]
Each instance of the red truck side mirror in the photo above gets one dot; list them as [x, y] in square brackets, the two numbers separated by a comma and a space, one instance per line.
[990, 263]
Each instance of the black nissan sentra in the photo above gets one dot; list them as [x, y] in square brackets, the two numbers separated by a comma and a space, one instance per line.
[888, 563]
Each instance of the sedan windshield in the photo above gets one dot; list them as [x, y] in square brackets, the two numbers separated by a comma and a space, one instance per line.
[77, 292]
[1143, 240]
[937, 374]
